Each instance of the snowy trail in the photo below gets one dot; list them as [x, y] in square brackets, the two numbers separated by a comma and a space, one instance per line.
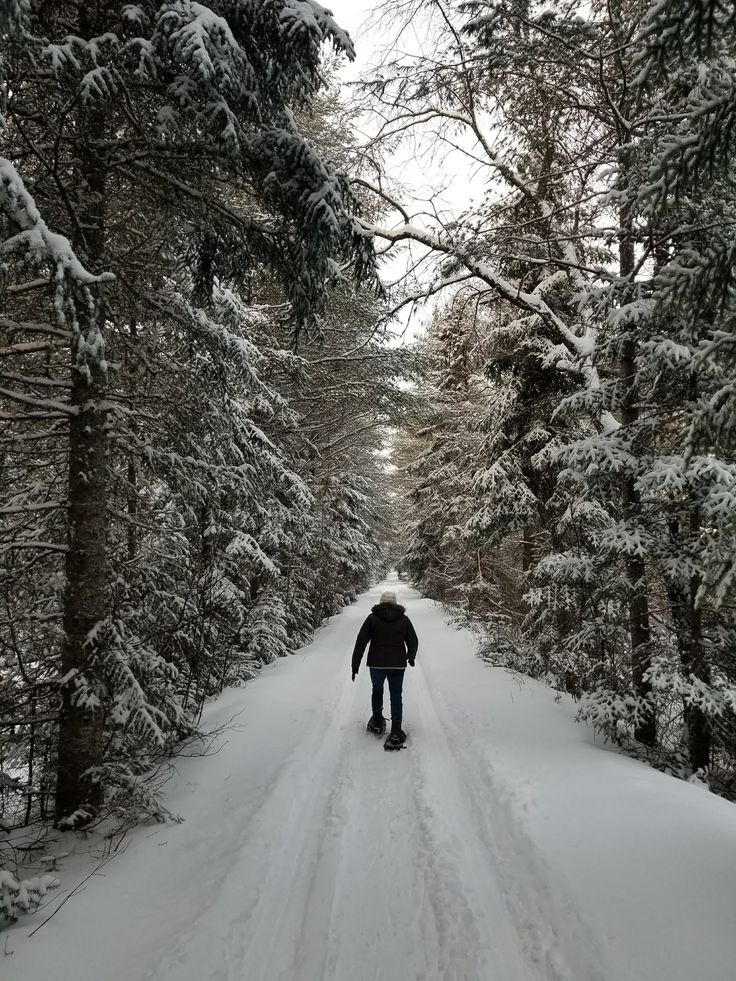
[501, 845]
[357, 864]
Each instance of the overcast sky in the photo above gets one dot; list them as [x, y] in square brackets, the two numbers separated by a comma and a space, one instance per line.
[431, 176]
[425, 167]
[353, 15]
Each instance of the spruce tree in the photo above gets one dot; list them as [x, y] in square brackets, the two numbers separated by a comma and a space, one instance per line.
[160, 140]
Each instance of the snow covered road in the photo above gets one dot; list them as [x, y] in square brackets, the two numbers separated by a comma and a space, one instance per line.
[501, 845]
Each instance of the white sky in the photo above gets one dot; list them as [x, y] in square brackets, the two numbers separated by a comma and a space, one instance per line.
[432, 177]
[353, 15]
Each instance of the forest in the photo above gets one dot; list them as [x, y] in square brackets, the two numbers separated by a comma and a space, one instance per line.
[216, 430]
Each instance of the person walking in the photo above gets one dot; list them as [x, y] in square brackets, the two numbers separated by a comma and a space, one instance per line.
[393, 645]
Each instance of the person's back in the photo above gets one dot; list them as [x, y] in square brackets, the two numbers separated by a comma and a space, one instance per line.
[393, 644]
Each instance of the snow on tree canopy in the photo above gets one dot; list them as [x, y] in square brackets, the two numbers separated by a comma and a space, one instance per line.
[35, 241]
[224, 76]
[177, 483]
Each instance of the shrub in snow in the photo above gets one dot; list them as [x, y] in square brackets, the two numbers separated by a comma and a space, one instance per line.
[19, 896]
[614, 713]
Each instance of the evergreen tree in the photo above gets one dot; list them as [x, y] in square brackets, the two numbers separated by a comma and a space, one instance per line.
[608, 432]
[160, 140]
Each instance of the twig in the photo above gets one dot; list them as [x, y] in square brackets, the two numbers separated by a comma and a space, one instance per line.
[76, 889]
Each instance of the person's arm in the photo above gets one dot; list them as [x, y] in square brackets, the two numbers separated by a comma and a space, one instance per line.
[364, 636]
[412, 642]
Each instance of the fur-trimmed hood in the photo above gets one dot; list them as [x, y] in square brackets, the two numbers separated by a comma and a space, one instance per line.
[390, 612]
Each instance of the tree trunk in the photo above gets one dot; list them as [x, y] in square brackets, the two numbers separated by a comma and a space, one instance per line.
[639, 625]
[85, 606]
[527, 549]
[82, 717]
[132, 493]
[694, 663]
[698, 729]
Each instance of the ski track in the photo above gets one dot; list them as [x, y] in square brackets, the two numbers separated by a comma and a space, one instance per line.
[372, 866]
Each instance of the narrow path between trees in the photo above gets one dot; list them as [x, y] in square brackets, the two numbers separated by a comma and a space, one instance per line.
[502, 845]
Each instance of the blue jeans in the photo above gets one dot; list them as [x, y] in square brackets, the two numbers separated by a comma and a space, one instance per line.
[395, 678]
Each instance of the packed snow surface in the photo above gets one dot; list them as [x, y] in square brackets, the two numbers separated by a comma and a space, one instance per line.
[503, 844]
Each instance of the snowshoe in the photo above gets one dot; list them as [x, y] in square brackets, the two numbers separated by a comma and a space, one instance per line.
[395, 740]
[376, 725]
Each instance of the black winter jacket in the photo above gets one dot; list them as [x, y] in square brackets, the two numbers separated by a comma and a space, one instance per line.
[392, 638]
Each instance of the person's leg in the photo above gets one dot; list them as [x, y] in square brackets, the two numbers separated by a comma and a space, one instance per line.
[378, 676]
[395, 684]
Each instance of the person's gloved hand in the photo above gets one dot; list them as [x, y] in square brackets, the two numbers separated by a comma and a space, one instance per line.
[411, 662]
[355, 673]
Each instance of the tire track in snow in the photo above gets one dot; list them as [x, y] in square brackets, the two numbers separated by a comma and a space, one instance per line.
[248, 926]
[476, 938]
[276, 923]
[556, 943]
[374, 932]
[408, 902]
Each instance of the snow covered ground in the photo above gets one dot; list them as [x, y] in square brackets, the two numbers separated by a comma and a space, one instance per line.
[502, 845]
